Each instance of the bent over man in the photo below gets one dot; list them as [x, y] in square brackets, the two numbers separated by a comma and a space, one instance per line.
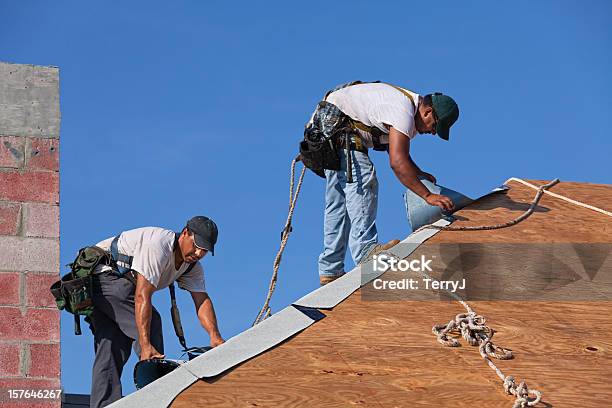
[384, 117]
[123, 313]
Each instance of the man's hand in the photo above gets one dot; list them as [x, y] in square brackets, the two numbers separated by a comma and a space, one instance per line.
[148, 352]
[208, 319]
[441, 201]
[428, 176]
[216, 341]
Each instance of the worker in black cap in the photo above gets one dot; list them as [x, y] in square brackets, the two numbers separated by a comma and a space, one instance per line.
[145, 260]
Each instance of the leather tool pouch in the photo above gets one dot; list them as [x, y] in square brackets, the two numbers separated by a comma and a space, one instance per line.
[73, 292]
[318, 150]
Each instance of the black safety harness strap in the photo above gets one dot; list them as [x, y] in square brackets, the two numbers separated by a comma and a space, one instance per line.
[123, 263]
[176, 316]
[174, 310]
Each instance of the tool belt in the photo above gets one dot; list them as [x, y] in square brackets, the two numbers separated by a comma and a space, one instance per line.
[324, 136]
[74, 291]
[319, 150]
[355, 144]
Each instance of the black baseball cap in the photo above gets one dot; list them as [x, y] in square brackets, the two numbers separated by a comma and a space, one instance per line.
[205, 232]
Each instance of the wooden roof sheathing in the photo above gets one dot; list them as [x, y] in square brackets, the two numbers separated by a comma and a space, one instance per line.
[383, 354]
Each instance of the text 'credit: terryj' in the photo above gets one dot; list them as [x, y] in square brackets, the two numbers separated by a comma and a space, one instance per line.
[383, 263]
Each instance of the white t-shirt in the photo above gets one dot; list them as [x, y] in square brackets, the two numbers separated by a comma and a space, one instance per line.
[152, 249]
[377, 105]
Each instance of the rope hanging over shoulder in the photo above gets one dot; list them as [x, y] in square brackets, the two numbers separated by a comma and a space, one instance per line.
[265, 311]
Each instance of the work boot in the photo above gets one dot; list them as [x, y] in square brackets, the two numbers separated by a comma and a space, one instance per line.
[325, 279]
[377, 249]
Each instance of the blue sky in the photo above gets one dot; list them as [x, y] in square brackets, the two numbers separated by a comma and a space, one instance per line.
[172, 109]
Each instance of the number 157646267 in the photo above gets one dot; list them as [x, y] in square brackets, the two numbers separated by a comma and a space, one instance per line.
[17, 394]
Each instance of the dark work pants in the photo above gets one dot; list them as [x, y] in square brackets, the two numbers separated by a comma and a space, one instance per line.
[113, 324]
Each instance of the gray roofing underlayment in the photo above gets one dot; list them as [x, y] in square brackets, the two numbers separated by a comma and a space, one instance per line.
[280, 326]
[420, 213]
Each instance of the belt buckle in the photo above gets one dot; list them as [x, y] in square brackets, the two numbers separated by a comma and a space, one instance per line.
[358, 144]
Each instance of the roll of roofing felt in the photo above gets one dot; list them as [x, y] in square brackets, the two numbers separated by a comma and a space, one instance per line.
[147, 371]
[420, 213]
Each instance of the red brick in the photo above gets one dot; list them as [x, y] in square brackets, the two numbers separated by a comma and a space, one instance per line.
[35, 383]
[12, 323]
[10, 215]
[37, 289]
[42, 154]
[23, 382]
[36, 325]
[9, 359]
[11, 151]
[29, 186]
[42, 324]
[41, 220]
[9, 288]
[29, 254]
[28, 384]
[44, 360]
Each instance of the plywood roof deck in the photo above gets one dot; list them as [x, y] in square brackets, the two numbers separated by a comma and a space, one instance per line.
[383, 354]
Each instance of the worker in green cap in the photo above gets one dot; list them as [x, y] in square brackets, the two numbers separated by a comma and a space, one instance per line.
[383, 117]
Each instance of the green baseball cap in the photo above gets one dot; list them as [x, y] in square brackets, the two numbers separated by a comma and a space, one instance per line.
[447, 112]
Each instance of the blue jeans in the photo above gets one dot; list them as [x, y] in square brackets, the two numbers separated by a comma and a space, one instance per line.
[350, 213]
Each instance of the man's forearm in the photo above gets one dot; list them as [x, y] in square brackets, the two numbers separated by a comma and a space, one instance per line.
[208, 318]
[144, 311]
[407, 173]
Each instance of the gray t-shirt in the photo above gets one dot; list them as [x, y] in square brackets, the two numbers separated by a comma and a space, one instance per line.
[152, 249]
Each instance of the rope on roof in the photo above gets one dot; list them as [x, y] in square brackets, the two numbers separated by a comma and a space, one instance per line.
[543, 189]
[472, 326]
[474, 330]
[569, 200]
[522, 217]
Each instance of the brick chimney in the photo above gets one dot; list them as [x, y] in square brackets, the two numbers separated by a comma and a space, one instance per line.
[29, 233]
